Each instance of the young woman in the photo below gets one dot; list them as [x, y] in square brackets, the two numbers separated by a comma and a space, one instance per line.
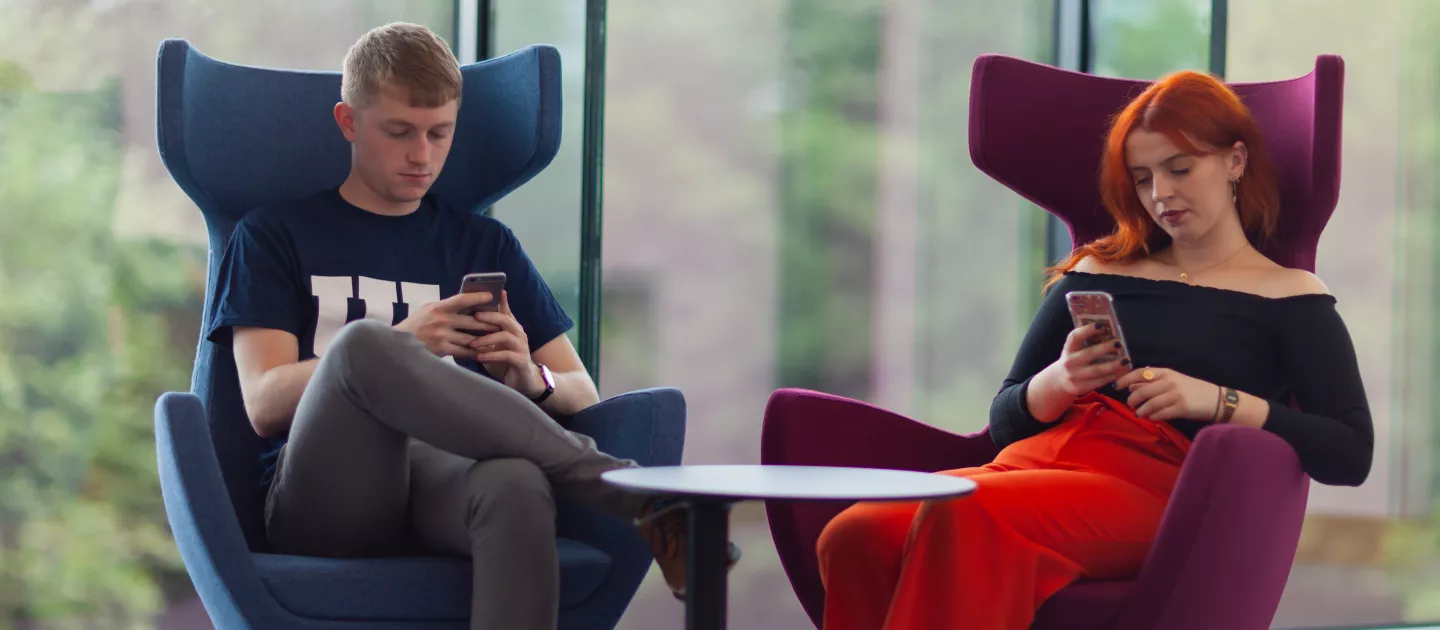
[1092, 447]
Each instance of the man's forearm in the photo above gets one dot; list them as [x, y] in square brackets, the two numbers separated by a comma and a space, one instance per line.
[272, 406]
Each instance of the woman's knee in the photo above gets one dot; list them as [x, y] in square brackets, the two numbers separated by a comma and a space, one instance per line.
[868, 531]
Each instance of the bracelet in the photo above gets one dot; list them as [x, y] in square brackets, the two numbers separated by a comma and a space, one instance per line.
[1219, 396]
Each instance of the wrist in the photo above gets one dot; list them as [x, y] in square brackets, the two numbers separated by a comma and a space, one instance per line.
[1044, 398]
[543, 383]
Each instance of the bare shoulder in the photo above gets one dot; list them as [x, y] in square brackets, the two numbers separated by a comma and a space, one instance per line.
[1091, 264]
[1283, 282]
[1301, 282]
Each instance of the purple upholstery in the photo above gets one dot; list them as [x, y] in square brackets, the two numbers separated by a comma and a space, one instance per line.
[1040, 131]
[1220, 559]
[1228, 537]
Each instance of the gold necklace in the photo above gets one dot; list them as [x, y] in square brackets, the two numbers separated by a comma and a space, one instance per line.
[1185, 276]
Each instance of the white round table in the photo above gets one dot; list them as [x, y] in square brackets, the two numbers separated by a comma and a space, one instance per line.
[709, 491]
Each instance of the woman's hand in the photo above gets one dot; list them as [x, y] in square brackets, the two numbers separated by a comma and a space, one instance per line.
[1083, 370]
[1161, 394]
[1079, 371]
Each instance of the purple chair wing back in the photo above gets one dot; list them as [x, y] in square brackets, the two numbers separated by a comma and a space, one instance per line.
[1040, 131]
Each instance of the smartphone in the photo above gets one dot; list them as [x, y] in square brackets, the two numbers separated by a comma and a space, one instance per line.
[1096, 307]
[490, 282]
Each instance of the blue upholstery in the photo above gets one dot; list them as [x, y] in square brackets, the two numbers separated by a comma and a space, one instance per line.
[401, 589]
[237, 137]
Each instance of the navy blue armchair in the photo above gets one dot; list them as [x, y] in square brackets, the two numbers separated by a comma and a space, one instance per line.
[237, 137]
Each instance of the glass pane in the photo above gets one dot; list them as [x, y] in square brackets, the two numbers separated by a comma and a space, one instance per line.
[1146, 39]
[1370, 556]
[545, 213]
[789, 201]
[102, 265]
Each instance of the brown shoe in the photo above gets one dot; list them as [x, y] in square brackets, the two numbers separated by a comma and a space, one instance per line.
[664, 527]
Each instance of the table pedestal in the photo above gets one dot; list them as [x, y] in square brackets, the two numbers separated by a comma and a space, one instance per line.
[707, 571]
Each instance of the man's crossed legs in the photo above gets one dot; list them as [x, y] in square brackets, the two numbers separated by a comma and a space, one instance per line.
[390, 441]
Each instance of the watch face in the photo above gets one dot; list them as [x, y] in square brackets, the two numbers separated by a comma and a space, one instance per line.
[1232, 397]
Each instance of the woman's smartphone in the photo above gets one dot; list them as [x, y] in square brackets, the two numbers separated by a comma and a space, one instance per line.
[1088, 308]
[491, 282]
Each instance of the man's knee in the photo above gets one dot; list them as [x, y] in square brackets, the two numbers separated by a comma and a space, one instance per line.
[512, 493]
[364, 338]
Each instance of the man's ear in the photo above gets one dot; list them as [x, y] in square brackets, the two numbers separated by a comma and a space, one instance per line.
[345, 118]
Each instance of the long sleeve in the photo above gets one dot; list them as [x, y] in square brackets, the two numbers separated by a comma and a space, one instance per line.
[1331, 431]
[1010, 417]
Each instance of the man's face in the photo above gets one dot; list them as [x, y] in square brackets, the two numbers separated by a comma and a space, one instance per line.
[398, 149]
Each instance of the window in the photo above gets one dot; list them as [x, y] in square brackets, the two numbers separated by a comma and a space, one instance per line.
[102, 267]
[790, 184]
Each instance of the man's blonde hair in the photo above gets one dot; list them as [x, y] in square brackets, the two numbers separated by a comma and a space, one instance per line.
[405, 56]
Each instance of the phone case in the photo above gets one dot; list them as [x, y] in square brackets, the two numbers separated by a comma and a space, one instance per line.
[1091, 307]
[492, 283]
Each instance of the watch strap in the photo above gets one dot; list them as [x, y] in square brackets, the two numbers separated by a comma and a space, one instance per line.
[549, 380]
[1231, 401]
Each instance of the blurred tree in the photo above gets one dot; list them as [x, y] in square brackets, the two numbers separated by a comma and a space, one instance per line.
[827, 186]
[1147, 39]
[93, 325]
[83, 348]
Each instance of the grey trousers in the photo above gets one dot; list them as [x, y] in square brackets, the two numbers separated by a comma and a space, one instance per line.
[393, 450]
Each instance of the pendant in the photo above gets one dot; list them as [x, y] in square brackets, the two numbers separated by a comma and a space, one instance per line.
[1184, 276]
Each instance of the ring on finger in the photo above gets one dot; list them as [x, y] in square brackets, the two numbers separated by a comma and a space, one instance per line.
[1148, 375]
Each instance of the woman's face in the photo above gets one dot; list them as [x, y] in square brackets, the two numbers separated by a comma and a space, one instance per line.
[1186, 195]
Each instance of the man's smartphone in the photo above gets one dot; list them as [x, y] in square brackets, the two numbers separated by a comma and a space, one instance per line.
[1088, 308]
[490, 282]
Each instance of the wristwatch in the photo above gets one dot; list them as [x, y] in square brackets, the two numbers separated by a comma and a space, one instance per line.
[549, 379]
[1231, 400]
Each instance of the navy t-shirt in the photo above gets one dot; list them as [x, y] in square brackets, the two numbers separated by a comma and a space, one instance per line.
[311, 266]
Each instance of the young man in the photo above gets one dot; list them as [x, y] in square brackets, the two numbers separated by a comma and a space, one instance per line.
[421, 428]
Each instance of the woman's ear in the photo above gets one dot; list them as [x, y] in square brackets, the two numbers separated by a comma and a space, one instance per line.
[1238, 159]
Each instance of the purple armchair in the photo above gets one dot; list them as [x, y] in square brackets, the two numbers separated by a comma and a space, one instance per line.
[1228, 538]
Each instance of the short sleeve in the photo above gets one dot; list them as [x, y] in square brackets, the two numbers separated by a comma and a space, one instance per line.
[258, 284]
[531, 300]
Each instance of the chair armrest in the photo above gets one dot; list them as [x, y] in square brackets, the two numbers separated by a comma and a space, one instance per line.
[203, 520]
[647, 426]
[809, 428]
[814, 429]
[1228, 537]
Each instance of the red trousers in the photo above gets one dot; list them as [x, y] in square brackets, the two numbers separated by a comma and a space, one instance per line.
[1081, 500]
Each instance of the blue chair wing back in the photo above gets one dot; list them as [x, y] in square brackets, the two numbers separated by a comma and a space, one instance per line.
[238, 137]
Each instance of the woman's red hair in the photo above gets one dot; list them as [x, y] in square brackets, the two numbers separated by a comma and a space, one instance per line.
[1202, 116]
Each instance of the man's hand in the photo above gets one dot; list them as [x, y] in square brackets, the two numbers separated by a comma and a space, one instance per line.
[439, 325]
[506, 350]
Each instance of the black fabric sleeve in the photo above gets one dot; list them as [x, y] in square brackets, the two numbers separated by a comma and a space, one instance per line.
[258, 284]
[1010, 417]
[1331, 431]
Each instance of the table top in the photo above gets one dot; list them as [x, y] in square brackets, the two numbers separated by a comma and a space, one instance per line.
[818, 483]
